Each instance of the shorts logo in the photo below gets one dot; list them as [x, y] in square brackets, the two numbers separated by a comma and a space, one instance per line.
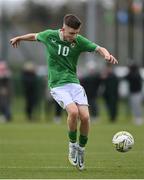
[84, 92]
[61, 104]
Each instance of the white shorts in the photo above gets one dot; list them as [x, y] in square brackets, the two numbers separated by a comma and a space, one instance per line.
[69, 93]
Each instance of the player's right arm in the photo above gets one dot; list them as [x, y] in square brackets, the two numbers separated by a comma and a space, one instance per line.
[28, 37]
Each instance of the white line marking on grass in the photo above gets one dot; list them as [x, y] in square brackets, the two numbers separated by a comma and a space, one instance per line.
[58, 167]
[45, 167]
[62, 153]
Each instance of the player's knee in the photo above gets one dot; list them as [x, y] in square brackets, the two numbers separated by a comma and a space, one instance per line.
[85, 118]
[73, 113]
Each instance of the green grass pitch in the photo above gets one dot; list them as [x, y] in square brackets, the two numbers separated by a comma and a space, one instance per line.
[39, 150]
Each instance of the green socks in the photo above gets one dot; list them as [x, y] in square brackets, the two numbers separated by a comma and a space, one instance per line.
[73, 138]
[83, 140]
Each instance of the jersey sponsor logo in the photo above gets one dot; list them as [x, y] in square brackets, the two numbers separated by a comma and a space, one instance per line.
[53, 40]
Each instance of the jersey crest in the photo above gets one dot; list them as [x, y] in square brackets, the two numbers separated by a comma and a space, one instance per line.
[73, 44]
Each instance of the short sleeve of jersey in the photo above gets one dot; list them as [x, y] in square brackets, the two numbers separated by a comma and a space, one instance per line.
[42, 36]
[86, 45]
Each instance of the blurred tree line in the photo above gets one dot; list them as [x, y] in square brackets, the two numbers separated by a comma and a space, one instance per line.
[36, 16]
[119, 27]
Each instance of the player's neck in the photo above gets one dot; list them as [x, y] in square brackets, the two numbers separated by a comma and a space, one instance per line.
[61, 35]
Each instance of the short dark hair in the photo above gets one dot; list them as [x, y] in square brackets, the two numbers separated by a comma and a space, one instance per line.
[72, 21]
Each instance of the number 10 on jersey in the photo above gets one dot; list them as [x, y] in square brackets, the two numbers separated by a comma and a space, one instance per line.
[63, 50]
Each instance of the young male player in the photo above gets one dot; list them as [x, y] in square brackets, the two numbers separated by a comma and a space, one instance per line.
[63, 48]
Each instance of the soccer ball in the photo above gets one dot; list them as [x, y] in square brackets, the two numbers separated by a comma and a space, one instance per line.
[123, 141]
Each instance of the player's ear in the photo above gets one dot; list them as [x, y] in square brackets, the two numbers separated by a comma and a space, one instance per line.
[63, 29]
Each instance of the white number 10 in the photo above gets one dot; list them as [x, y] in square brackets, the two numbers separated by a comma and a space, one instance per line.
[63, 50]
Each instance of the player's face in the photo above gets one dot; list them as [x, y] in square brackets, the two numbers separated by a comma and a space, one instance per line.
[69, 33]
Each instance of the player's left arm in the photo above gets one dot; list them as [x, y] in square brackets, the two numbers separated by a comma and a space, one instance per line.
[106, 55]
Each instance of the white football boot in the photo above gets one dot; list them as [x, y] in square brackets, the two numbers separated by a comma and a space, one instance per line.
[80, 164]
[73, 151]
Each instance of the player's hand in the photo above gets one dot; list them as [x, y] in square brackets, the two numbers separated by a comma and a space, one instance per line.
[107, 56]
[111, 59]
[15, 42]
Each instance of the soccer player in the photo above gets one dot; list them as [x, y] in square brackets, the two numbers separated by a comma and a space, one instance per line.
[63, 48]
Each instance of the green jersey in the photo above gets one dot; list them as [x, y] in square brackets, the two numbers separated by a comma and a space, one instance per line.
[62, 56]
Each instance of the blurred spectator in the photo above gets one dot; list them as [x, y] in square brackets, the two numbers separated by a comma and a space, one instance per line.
[91, 84]
[135, 89]
[50, 103]
[111, 82]
[30, 86]
[5, 92]
[57, 113]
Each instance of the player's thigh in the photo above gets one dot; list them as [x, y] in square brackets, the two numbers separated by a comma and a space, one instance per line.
[83, 112]
[79, 95]
[72, 110]
[62, 97]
